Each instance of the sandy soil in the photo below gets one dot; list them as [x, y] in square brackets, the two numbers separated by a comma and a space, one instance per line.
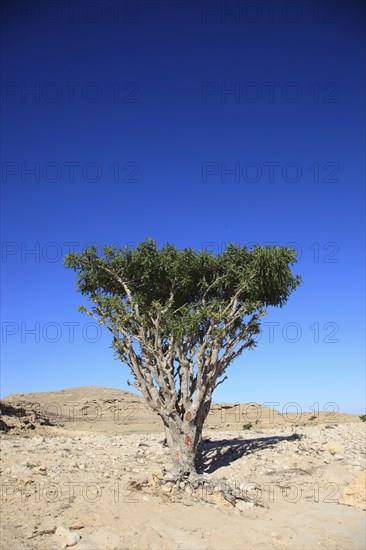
[94, 480]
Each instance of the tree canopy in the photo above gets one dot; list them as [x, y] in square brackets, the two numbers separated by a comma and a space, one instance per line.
[190, 289]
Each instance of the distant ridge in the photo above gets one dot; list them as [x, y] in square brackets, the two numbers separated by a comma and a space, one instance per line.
[102, 409]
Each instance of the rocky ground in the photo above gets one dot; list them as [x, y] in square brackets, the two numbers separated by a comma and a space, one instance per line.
[99, 480]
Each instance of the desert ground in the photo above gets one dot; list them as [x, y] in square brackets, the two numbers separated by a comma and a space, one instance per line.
[88, 468]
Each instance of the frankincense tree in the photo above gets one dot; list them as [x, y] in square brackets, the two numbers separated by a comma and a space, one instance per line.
[179, 318]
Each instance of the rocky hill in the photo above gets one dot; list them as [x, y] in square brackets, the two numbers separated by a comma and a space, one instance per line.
[110, 410]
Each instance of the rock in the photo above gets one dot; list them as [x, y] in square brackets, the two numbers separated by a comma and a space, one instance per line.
[72, 538]
[355, 492]
[61, 531]
[20, 467]
[4, 427]
[61, 535]
[66, 537]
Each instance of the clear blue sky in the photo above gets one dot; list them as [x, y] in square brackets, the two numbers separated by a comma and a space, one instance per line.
[193, 123]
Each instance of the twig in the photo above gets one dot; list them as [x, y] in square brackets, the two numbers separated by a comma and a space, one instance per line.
[51, 531]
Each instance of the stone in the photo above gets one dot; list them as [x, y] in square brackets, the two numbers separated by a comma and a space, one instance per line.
[66, 537]
[61, 534]
[72, 538]
[18, 468]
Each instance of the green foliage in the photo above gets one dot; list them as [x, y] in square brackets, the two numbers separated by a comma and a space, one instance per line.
[313, 417]
[187, 290]
[248, 426]
[363, 417]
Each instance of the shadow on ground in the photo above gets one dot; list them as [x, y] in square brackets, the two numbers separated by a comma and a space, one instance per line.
[216, 454]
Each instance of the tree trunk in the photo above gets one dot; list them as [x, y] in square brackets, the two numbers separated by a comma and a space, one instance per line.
[183, 437]
[183, 440]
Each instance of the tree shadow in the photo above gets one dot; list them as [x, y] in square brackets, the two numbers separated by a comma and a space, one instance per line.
[213, 455]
